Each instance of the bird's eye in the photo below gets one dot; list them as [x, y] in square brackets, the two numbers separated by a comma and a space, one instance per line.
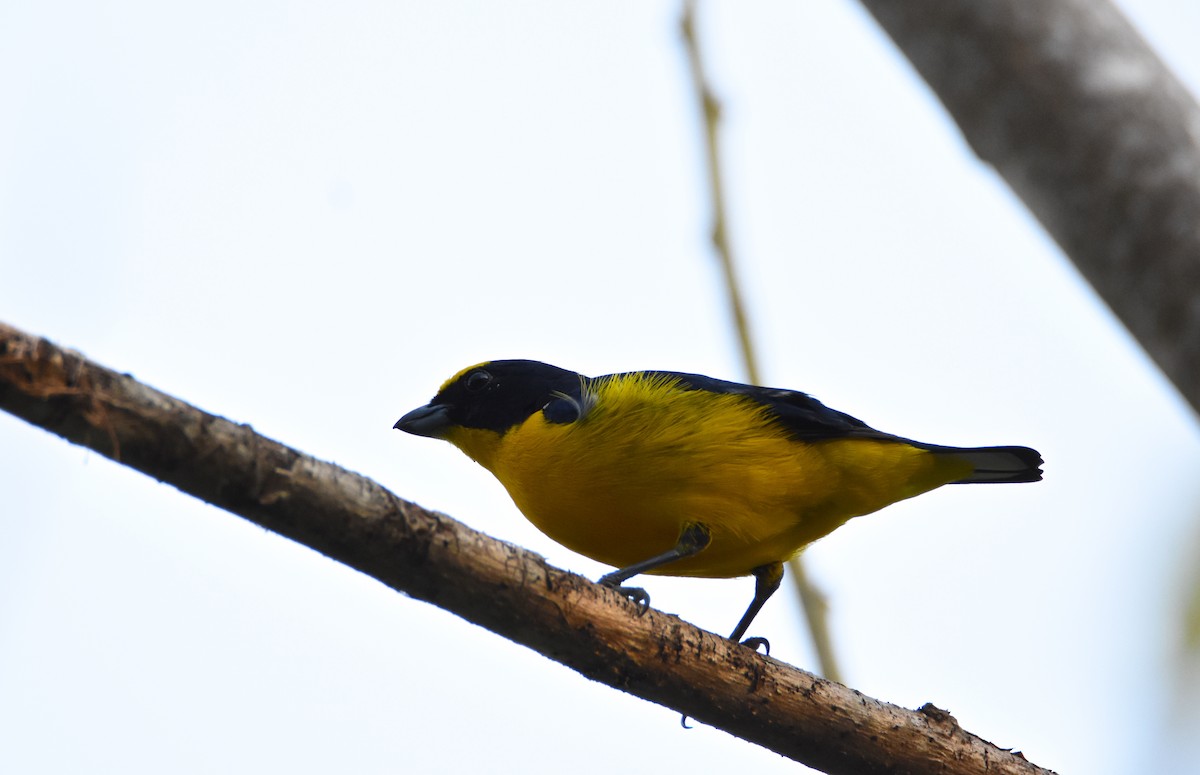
[478, 380]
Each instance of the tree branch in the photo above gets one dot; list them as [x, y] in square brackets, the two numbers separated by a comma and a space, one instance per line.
[1093, 132]
[504, 588]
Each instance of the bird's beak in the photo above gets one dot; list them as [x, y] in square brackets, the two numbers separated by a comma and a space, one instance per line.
[429, 420]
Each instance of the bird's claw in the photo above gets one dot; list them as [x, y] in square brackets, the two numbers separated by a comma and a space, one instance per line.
[756, 642]
[637, 596]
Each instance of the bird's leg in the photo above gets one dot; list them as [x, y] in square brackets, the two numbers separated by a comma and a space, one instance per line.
[766, 581]
[692, 540]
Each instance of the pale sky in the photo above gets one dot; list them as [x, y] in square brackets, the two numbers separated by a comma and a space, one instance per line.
[305, 217]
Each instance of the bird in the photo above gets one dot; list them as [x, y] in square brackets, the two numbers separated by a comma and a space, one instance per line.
[669, 473]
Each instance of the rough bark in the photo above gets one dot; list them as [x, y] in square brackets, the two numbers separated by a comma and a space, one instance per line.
[504, 588]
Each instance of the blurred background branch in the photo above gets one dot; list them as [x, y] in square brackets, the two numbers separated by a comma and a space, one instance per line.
[1093, 132]
[812, 600]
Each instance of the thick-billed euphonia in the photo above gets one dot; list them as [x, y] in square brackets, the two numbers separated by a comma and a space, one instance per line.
[685, 475]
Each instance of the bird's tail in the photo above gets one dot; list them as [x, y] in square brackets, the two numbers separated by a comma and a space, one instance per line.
[995, 464]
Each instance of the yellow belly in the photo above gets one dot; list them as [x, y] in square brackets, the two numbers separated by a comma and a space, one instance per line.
[622, 494]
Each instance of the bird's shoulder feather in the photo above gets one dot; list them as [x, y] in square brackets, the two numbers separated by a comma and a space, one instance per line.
[799, 414]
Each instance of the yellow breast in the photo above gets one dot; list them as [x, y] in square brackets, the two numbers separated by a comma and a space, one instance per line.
[647, 458]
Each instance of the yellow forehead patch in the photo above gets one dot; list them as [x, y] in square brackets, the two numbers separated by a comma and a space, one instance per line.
[460, 374]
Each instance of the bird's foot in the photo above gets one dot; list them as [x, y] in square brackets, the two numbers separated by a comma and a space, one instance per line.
[636, 595]
[756, 643]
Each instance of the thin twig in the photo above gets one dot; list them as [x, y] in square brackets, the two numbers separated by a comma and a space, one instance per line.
[812, 601]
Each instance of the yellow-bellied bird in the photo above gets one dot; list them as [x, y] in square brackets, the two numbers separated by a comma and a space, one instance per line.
[684, 475]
